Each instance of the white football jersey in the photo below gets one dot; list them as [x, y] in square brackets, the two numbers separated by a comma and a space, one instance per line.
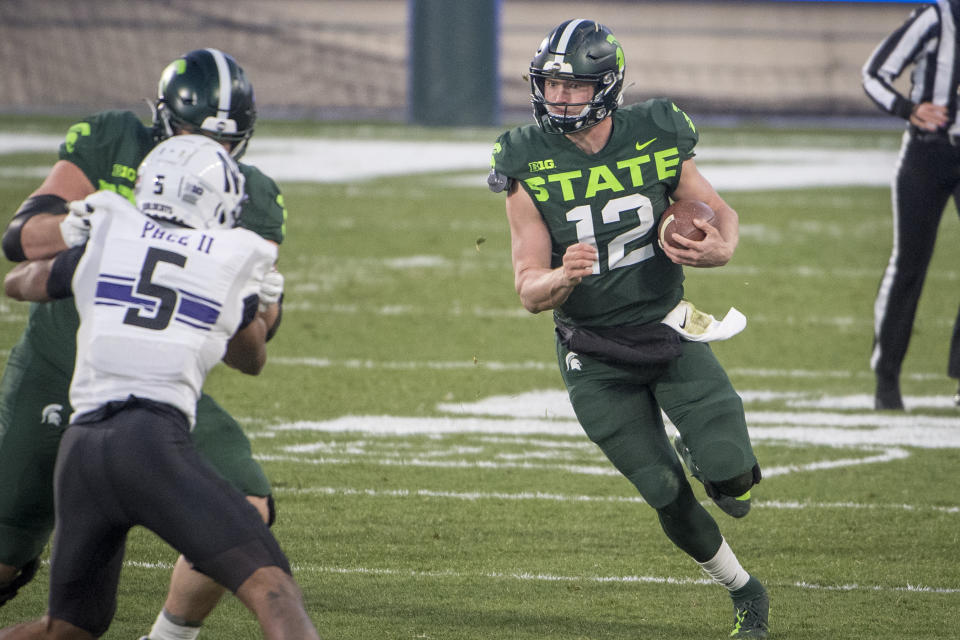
[157, 304]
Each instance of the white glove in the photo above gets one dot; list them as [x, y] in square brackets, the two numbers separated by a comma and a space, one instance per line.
[271, 288]
[75, 228]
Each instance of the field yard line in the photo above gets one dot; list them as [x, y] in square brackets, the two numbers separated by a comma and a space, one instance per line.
[543, 577]
[887, 456]
[600, 470]
[536, 365]
[556, 497]
[546, 577]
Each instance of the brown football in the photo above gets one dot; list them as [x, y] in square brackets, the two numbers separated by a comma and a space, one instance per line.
[678, 218]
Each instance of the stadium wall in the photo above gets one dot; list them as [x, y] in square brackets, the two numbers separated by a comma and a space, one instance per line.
[328, 59]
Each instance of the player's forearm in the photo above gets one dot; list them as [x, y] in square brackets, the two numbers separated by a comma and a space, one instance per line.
[728, 223]
[41, 237]
[28, 281]
[544, 289]
[247, 350]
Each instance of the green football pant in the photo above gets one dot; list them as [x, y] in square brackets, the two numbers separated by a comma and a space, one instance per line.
[619, 408]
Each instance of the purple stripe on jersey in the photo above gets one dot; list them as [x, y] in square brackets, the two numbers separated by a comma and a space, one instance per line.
[210, 301]
[197, 311]
[107, 291]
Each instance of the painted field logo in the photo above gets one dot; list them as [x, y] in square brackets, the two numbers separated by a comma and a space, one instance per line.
[542, 420]
[542, 165]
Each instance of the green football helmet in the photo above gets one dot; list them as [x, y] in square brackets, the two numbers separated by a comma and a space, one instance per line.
[581, 50]
[205, 91]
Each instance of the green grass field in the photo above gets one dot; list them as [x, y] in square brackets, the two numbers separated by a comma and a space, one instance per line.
[430, 479]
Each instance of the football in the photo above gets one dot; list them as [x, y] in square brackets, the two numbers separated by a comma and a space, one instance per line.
[678, 218]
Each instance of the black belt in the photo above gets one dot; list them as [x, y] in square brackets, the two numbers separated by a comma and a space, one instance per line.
[934, 136]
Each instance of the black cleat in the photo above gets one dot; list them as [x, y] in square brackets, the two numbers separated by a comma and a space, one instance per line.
[751, 617]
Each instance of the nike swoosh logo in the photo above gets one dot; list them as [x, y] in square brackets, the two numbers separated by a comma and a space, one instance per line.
[683, 323]
[641, 147]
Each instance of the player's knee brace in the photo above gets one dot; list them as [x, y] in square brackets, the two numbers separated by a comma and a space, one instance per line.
[27, 571]
[734, 487]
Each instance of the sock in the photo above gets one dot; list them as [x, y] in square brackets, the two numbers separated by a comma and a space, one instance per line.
[166, 629]
[749, 591]
[725, 569]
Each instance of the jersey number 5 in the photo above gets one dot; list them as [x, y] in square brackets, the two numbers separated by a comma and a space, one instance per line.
[612, 212]
[166, 296]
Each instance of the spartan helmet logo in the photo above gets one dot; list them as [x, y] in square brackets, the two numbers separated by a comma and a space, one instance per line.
[50, 414]
[573, 362]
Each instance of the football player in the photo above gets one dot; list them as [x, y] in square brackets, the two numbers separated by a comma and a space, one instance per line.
[585, 189]
[172, 282]
[205, 91]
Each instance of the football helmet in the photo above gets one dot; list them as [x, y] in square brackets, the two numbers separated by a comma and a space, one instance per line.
[192, 181]
[205, 91]
[581, 50]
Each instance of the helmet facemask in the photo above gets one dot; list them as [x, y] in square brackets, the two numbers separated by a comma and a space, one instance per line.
[570, 117]
[190, 181]
[582, 51]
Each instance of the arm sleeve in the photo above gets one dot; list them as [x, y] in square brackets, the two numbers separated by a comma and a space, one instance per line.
[892, 56]
[61, 272]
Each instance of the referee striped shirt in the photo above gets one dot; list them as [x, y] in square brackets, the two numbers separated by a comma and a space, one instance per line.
[928, 40]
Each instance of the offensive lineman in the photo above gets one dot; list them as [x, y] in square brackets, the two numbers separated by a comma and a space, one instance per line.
[585, 189]
[204, 91]
[173, 283]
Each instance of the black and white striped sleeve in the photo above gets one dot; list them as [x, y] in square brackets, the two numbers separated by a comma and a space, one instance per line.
[901, 48]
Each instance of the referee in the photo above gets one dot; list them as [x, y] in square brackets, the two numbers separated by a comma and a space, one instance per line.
[927, 174]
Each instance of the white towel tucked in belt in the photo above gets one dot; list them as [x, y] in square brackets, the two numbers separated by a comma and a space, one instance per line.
[697, 326]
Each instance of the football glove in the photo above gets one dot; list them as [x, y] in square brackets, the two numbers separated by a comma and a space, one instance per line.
[271, 288]
[75, 228]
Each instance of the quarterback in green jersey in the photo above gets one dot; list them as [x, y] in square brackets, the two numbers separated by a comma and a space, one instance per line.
[585, 189]
[204, 91]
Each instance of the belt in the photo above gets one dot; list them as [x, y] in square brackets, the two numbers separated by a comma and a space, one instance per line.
[934, 136]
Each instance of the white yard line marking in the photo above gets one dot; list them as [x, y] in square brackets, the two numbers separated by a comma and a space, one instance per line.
[600, 470]
[546, 577]
[473, 496]
[549, 365]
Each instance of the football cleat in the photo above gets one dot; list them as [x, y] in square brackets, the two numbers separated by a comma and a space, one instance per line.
[751, 617]
[736, 507]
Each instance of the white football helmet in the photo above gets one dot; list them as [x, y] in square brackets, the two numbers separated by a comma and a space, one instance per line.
[192, 181]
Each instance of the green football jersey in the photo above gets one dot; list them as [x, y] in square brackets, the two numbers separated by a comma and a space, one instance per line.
[613, 200]
[108, 147]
